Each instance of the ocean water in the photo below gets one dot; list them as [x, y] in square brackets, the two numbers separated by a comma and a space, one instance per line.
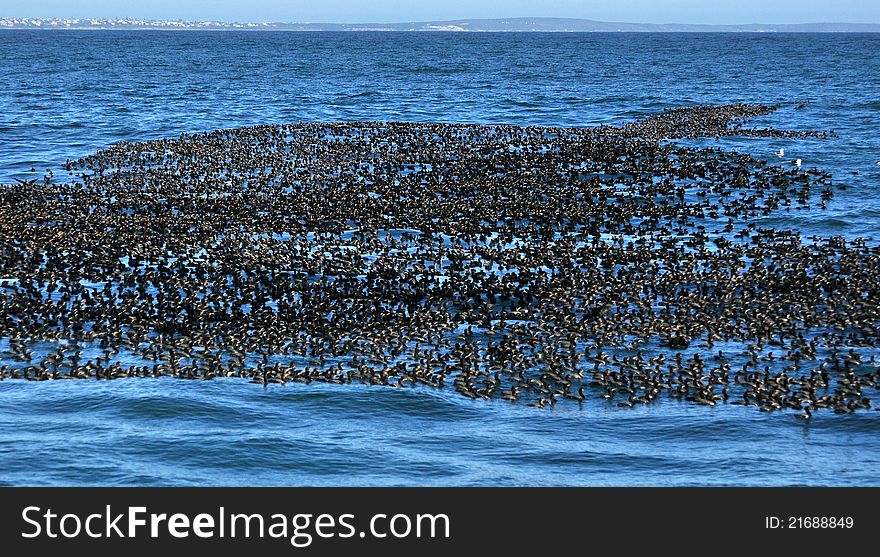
[65, 94]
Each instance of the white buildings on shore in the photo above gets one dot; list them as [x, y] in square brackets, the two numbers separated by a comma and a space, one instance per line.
[118, 23]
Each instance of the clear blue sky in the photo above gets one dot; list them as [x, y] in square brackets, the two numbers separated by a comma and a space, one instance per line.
[360, 11]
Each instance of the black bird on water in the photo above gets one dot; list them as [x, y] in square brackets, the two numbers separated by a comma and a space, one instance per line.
[536, 265]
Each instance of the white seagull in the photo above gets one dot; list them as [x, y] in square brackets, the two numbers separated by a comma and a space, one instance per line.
[780, 153]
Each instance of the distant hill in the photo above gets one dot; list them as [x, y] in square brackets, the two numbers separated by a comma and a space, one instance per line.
[561, 25]
[515, 24]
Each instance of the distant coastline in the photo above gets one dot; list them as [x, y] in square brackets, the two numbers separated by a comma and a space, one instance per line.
[518, 24]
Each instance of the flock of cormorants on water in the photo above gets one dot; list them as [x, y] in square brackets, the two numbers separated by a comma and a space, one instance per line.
[533, 264]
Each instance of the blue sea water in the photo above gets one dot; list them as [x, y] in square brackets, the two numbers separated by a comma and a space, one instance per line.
[65, 94]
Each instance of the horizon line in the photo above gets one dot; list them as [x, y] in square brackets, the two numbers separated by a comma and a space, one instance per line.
[216, 22]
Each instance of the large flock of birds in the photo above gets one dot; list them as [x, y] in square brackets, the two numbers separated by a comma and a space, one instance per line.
[529, 264]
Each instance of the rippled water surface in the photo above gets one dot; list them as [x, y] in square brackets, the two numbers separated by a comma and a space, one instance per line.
[65, 94]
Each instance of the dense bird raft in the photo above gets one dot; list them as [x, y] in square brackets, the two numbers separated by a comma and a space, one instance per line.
[522, 263]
